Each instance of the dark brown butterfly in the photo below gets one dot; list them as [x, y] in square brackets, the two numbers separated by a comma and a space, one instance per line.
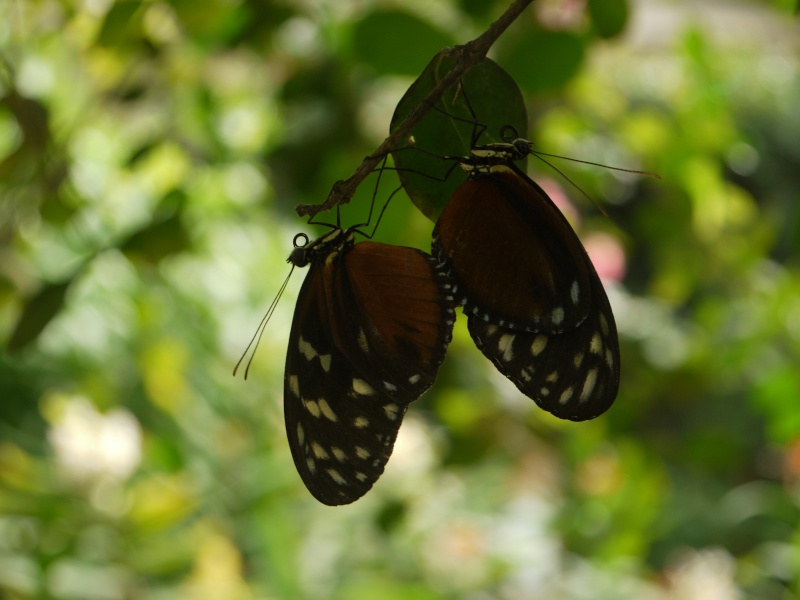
[536, 306]
[371, 327]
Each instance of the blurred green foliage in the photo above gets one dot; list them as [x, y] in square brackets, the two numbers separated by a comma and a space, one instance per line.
[151, 154]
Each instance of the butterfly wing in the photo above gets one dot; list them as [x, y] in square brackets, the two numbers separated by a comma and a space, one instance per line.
[512, 254]
[357, 357]
[403, 319]
[573, 375]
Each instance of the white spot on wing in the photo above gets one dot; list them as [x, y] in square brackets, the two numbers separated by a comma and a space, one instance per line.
[361, 422]
[306, 349]
[362, 453]
[390, 387]
[338, 453]
[604, 324]
[565, 395]
[574, 292]
[336, 476]
[294, 385]
[552, 378]
[392, 411]
[301, 435]
[362, 341]
[361, 476]
[596, 345]
[311, 464]
[319, 451]
[558, 316]
[312, 407]
[610, 359]
[327, 410]
[413, 379]
[505, 345]
[588, 385]
[325, 361]
[539, 344]
[578, 359]
[362, 388]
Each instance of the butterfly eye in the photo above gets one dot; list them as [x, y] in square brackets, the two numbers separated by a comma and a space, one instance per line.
[303, 240]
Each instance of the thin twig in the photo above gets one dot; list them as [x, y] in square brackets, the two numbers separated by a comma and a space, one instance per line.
[466, 56]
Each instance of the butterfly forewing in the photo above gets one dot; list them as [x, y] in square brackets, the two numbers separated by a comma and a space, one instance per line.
[357, 357]
[402, 313]
[324, 427]
[513, 255]
[573, 375]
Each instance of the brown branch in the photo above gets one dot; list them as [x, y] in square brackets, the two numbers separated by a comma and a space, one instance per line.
[467, 56]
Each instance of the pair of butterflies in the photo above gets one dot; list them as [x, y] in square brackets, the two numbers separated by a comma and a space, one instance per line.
[373, 321]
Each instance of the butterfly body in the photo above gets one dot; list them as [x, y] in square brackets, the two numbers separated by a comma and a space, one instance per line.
[370, 329]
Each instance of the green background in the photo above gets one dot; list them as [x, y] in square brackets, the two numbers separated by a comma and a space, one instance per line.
[151, 155]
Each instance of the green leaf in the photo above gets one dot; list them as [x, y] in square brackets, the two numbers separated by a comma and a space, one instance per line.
[609, 17]
[497, 102]
[122, 24]
[157, 240]
[38, 312]
[394, 41]
[166, 234]
[546, 60]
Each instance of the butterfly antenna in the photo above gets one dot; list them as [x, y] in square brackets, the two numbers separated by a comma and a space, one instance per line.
[572, 183]
[595, 164]
[260, 329]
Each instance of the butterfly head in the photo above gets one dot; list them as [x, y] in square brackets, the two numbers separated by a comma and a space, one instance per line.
[522, 148]
[322, 248]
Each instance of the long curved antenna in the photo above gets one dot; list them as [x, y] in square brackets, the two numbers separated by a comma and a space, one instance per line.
[261, 327]
[539, 154]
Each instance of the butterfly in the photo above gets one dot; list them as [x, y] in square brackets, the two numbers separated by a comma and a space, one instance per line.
[370, 329]
[535, 304]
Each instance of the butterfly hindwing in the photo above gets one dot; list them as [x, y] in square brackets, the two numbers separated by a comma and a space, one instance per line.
[573, 375]
[356, 359]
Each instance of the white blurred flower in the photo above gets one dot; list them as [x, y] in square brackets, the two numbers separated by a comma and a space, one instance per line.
[90, 445]
[703, 575]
